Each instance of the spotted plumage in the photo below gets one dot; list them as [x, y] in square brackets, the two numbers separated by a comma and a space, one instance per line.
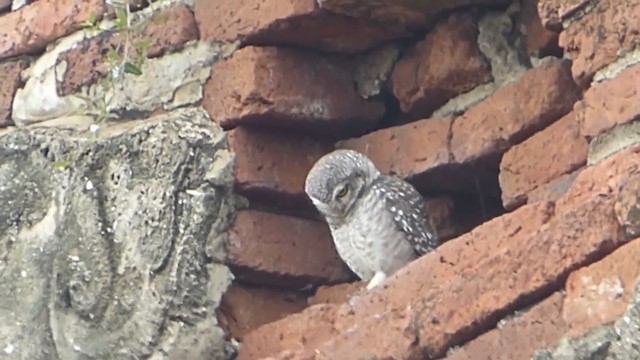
[378, 222]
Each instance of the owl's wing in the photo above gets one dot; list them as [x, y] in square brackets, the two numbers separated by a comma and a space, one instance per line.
[409, 213]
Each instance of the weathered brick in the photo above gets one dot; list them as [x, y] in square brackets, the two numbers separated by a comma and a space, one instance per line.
[288, 87]
[413, 15]
[402, 150]
[244, 308]
[445, 64]
[610, 102]
[10, 80]
[600, 293]
[609, 28]
[284, 251]
[603, 178]
[554, 12]
[517, 337]
[33, 27]
[450, 295]
[164, 32]
[167, 30]
[309, 328]
[335, 294]
[289, 22]
[554, 189]
[271, 167]
[556, 150]
[514, 112]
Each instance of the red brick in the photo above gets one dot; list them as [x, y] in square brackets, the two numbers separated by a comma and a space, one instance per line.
[271, 167]
[307, 329]
[610, 102]
[554, 189]
[10, 81]
[556, 150]
[446, 63]
[451, 295]
[31, 28]
[243, 308]
[553, 12]
[166, 31]
[603, 178]
[596, 39]
[519, 336]
[291, 88]
[402, 150]
[336, 294]
[514, 112]
[284, 251]
[289, 22]
[600, 293]
[414, 15]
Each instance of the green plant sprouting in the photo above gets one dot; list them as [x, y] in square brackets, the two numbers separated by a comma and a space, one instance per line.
[122, 58]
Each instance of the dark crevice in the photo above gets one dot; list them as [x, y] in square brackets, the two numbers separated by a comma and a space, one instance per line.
[301, 283]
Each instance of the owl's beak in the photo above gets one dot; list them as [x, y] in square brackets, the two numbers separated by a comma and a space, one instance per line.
[322, 207]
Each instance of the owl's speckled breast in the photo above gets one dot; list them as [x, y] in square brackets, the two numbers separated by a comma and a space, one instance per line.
[369, 241]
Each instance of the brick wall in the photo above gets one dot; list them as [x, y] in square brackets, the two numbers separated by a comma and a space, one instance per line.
[516, 120]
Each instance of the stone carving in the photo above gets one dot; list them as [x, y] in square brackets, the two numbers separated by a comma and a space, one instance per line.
[110, 242]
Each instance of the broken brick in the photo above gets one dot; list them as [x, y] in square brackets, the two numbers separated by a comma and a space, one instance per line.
[292, 88]
[272, 249]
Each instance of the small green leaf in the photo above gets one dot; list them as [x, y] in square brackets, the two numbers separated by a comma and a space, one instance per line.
[60, 164]
[121, 18]
[131, 68]
[92, 18]
[112, 55]
[90, 22]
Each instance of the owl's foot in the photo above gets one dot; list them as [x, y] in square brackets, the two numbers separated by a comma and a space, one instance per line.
[376, 280]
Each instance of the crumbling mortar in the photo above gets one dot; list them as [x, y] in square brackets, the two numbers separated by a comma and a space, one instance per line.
[578, 12]
[626, 59]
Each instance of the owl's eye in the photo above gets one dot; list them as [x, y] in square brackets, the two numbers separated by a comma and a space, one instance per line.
[343, 192]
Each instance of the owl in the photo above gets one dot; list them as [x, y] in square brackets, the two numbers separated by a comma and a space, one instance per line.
[378, 222]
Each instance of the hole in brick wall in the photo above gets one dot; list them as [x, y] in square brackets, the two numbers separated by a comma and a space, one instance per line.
[393, 112]
[473, 190]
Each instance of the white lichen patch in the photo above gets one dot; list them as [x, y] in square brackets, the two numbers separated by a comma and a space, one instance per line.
[38, 100]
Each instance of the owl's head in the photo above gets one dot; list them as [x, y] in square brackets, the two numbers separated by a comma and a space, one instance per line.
[336, 182]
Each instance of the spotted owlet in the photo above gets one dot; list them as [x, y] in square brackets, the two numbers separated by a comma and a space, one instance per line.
[378, 222]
